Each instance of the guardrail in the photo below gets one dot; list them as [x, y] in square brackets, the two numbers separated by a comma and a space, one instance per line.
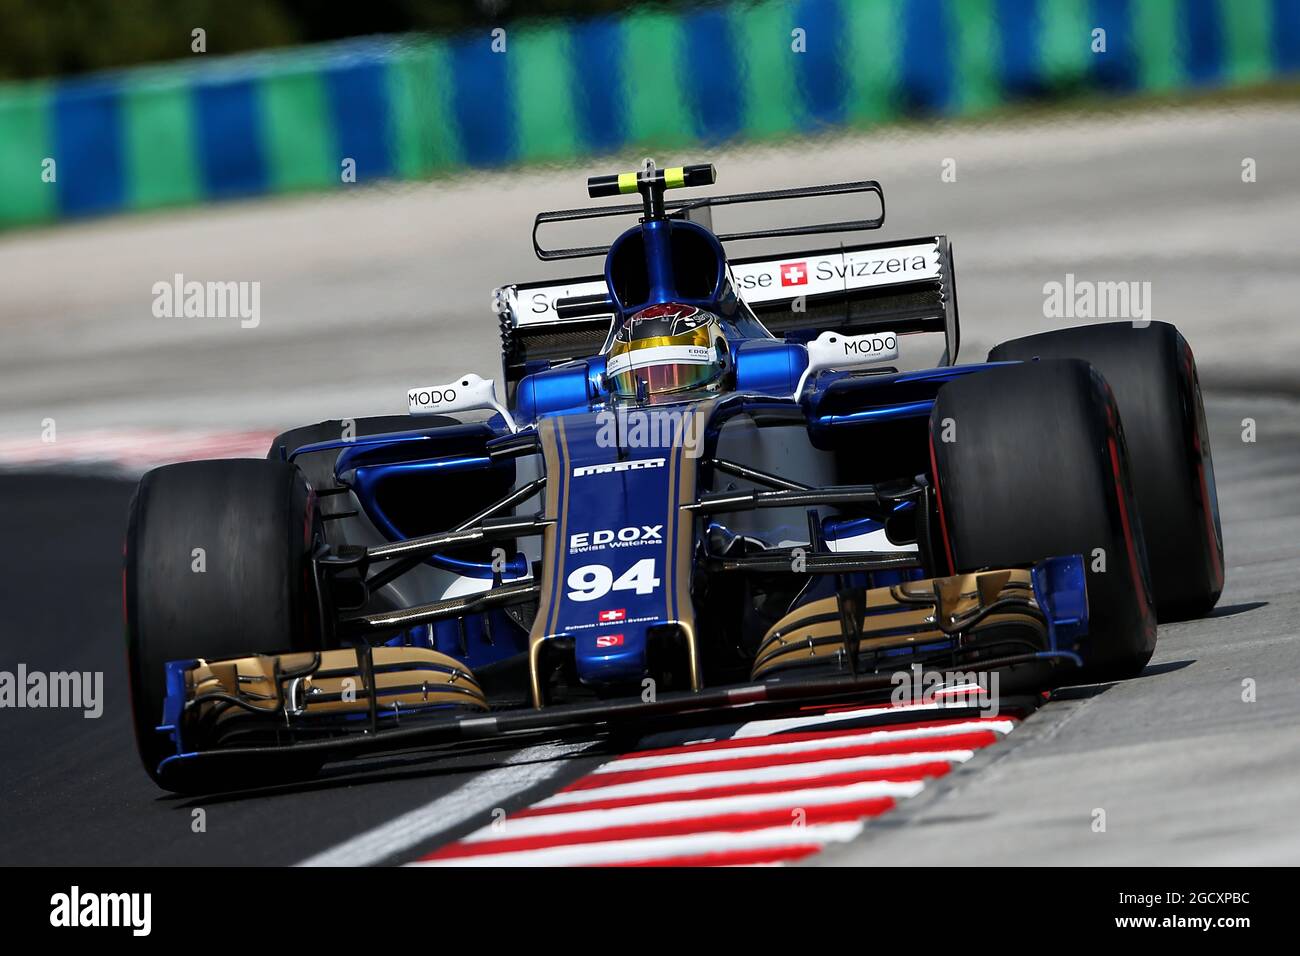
[541, 92]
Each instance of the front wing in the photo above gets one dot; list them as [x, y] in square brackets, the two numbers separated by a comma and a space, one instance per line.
[327, 705]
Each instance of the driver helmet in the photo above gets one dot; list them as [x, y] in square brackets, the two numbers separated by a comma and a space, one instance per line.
[672, 348]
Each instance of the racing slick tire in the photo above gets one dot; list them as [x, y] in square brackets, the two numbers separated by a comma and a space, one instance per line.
[1030, 462]
[1153, 375]
[248, 589]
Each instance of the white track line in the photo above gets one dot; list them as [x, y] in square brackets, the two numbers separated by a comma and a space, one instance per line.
[706, 755]
[684, 783]
[659, 848]
[761, 728]
[477, 797]
[585, 820]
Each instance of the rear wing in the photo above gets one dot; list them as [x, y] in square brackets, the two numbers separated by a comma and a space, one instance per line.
[536, 332]
[905, 286]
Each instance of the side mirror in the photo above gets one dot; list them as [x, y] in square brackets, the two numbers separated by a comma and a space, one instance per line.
[834, 350]
[468, 393]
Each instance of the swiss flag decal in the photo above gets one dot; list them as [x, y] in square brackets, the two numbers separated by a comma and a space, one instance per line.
[609, 640]
[612, 616]
[794, 273]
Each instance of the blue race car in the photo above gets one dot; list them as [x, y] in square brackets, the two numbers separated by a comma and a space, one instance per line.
[713, 484]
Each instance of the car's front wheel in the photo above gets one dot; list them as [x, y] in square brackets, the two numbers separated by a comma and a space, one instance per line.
[1030, 463]
[216, 564]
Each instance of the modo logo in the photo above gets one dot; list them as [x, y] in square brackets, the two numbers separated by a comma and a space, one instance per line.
[418, 397]
[869, 345]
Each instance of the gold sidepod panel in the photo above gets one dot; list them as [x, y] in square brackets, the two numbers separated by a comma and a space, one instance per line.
[917, 612]
[287, 685]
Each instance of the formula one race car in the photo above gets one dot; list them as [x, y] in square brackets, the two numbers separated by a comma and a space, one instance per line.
[710, 487]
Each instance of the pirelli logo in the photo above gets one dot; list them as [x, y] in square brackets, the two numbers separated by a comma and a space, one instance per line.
[639, 464]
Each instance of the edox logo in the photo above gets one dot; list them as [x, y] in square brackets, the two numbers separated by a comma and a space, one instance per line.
[622, 538]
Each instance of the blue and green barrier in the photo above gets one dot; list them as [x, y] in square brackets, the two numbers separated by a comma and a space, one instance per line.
[417, 107]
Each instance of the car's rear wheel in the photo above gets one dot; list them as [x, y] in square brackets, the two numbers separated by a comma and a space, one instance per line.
[1030, 462]
[1153, 375]
[217, 564]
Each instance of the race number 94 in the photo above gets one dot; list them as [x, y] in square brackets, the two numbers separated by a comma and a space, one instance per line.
[591, 582]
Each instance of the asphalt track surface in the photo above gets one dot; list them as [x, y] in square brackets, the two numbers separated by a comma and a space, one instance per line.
[364, 291]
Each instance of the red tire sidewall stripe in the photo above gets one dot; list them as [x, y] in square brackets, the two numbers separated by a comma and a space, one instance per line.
[1211, 534]
[1139, 589]
[938, 500]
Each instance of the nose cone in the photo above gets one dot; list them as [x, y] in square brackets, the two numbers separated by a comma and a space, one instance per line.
[622, 558]
[612, 655]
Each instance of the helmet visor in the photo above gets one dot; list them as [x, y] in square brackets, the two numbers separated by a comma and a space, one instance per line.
[666, 363]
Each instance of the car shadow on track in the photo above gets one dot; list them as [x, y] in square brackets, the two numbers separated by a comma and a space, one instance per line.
[1087, 691]
[1231, 610]
[1080, 691]
[1165, 667]
[374, 771]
